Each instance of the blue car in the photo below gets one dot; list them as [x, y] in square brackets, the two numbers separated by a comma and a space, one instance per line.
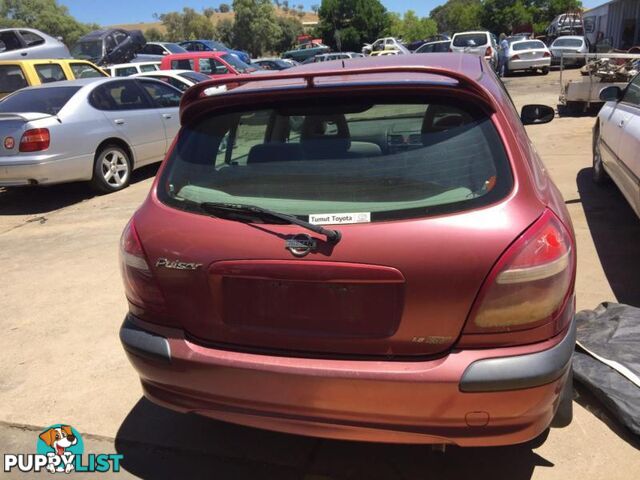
[213, 46]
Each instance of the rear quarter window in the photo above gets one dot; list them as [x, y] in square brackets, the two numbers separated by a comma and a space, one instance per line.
[393, 159]
[11, 78]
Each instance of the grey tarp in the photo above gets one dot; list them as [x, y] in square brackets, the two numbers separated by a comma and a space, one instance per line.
[611, 332]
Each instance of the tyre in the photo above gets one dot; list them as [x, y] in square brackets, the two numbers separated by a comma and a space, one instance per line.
[564, 414]
[599, 175]
[545, 70]
[111, 169]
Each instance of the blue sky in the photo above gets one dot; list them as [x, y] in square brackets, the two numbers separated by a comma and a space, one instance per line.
[128, 11]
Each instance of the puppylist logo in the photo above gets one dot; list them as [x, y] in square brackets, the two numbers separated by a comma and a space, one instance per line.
[60, 449]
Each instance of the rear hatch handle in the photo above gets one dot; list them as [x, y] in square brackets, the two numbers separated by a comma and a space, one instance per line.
[243, 213]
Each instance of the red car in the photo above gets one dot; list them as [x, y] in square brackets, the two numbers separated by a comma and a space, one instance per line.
[214, 64]
[371, 252]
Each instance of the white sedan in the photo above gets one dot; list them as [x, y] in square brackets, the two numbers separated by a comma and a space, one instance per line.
[616, 141]
[181, 79]
[530, 55]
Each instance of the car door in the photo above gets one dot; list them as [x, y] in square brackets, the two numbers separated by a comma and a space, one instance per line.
[12, 46]
[166, 100]
[629, 143]
[130, 112]
[614, 116]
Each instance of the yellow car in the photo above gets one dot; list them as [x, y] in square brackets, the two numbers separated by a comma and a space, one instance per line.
[16, 74]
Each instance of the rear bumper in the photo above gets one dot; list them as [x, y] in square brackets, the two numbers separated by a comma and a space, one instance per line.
[44, 169]
[529, 64]
[470, 398]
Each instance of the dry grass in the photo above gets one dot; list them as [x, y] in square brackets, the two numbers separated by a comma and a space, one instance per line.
[144, 26]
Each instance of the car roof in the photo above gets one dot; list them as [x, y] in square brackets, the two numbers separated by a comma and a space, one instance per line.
[179, 56]
[448, 70]
[570, 37]
[436, 41]
[172, 73]
[37, 61]
[99, 33]
[525, 40]
[80, 82]
[133, 64]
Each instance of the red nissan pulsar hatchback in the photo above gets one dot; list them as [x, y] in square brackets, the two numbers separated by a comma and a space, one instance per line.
[368, 250]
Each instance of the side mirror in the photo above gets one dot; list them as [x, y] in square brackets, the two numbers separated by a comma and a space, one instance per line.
[611, 94]
[536, 114]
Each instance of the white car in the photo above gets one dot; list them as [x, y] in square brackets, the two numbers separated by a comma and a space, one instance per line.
[528, 55]
[478, 43]
[387, 43]
[181, 79]
[616, 141]
[569, 44]
[126, 69]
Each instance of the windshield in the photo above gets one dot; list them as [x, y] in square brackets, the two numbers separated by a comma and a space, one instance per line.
[43, 100]
[387, 160]
[470, 40]
[527, 45]
[237, 64]
[87, 49]
[195, 77]
[568, 42]
[174, 48]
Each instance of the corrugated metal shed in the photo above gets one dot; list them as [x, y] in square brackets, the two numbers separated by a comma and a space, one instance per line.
[623, 23]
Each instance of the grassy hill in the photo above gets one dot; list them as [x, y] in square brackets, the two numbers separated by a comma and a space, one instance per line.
[144, 26]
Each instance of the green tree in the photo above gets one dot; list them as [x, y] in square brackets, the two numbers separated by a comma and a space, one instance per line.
[45, 15]
[224, 8]
[505, 15]
[153, 35]
[290, 28]
[224, 31]
[187, 25]
[347, 24]
[255, 28]
[457, 16]
[410, 27]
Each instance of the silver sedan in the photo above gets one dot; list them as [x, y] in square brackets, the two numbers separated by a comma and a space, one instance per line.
[95, 130]
[29, 44]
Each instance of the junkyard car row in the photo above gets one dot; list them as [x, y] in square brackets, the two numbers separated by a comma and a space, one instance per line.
[293, 303]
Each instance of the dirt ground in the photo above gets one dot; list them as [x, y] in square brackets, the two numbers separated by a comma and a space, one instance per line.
[61, 304]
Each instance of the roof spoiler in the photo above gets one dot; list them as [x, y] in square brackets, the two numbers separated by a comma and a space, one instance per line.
[24, 117]
[196, 92]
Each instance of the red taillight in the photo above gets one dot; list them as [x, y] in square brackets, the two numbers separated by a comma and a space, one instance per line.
[515, 57]
[530, 283]
[140, 287]
[546, 54]
[35, 140]
[488, 52]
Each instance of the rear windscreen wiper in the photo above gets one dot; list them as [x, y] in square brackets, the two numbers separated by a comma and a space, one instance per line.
[235, 211]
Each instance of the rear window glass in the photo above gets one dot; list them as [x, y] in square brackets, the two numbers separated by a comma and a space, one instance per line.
[50, 73]
[183, 64]
[195, 77]
[527, 45]
[148, 68]
[83, 70]
[568, 42]
[390, 159]
[124, 71]
[42, 100]
[11, 78]
[470, 40]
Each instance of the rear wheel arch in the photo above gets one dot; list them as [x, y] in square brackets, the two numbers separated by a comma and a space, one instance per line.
[119, 143]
